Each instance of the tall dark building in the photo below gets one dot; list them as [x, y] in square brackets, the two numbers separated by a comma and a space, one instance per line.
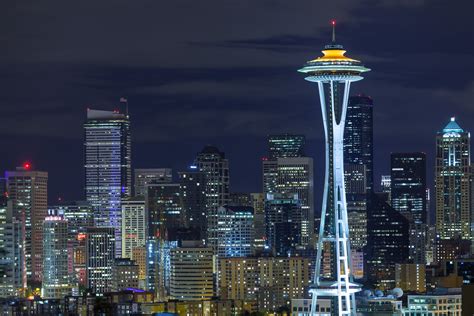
[387, 241]
[215, 166]
[408, 184]
[164, 209]
[358, 135]
[107, 154]
[286, 146]
[192, 186]
[283, 223]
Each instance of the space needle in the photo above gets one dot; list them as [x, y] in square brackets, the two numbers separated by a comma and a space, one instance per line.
[334, 72]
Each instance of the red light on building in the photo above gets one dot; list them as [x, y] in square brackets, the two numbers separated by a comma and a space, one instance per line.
[27, 166]
[81, 236]
[333, 22]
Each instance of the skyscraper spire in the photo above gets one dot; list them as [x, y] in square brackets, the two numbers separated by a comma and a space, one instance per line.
[333, 23]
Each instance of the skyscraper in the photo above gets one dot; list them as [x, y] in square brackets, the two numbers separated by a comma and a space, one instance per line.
[356, 199]
[100, 258]
[108, 173]
[147, 176]
[283, 224]
[28, 190]
[453, 171]
[387, 241]
[279, 146]
[192, 187]
[334, 74]
[164, 208]
[133, 225]
[408, 194]
[215, 166]
[358, 135]
[12, 250]
[408, 184]
[56, 279]
[295, 176]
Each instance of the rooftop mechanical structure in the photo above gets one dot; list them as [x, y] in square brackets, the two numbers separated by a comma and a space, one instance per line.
[334, 73]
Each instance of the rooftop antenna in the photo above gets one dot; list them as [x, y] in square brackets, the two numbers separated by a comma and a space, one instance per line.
[125, 100]
[333, 23]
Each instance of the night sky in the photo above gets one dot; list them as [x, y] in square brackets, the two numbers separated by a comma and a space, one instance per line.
[224, 73]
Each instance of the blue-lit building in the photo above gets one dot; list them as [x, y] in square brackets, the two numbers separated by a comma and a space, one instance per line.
[56, 279]
[108, 173]
[236, 231]
[453, 173]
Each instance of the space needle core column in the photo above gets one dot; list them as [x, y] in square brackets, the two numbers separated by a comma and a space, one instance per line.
[334, 72]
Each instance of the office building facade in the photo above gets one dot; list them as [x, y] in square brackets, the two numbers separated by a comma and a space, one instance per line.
[100, 258]
[215, 166]
[452, 182]
[28, 190]
[108, 173]
[56, 279]
[148, 176]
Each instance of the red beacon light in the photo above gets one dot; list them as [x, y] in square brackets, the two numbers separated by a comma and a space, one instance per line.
[333, 22]
[27, 166]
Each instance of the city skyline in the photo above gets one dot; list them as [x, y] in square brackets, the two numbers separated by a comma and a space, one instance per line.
[228, 159]
[247, 109]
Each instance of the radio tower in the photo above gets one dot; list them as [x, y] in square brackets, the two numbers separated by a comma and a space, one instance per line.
[334, 73]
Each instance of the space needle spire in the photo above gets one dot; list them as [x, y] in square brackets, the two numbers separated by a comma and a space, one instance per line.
[333, 23]
[333, 73]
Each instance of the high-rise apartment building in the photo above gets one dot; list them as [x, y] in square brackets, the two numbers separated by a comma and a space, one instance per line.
[236, 231]
[358, 135]
[100, 258]
[270, 282]
[108, 173]
[12, 251]
[147, 176]
[28, 190]
[452, 182]
[191, 272]
[133, 225]
[215, 166]
[56, 279]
